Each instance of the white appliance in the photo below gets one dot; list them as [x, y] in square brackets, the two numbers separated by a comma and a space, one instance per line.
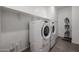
[53, 32]
[40, 32]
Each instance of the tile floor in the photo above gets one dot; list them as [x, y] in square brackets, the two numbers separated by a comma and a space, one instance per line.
[62, 46]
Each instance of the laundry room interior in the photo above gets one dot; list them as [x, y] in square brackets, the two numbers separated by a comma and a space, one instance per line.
[39, 28]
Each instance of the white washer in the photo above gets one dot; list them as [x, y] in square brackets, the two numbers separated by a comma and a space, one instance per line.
[53, 32]
[40, 32]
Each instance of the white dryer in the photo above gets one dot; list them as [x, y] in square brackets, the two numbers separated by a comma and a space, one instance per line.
[40, 32]
[53, 32]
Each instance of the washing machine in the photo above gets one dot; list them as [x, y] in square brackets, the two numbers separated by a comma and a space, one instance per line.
[53, 32]
[40, 32]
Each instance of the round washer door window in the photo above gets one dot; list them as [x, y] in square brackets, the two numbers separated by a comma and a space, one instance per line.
[53, 29]
[46, 31]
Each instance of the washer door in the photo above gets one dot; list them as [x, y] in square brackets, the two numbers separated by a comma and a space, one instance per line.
[53, 29]
[46, 31]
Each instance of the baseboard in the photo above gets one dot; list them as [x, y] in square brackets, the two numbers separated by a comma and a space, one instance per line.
[61, 35]
[23, 49]
[75, 42]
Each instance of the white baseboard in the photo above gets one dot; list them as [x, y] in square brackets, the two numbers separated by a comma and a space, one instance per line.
[61, 35]
[75, 42]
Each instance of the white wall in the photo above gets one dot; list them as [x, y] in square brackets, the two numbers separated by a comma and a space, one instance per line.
[39, 11]
[75, 24]
[0, 25]
[62, 13]
[12, 21]
[14, 40]
[51, 12]
[14, 30]
[42, 11]
[0, 19]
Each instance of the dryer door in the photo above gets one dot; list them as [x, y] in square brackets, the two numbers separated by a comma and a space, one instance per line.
[46, 31]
